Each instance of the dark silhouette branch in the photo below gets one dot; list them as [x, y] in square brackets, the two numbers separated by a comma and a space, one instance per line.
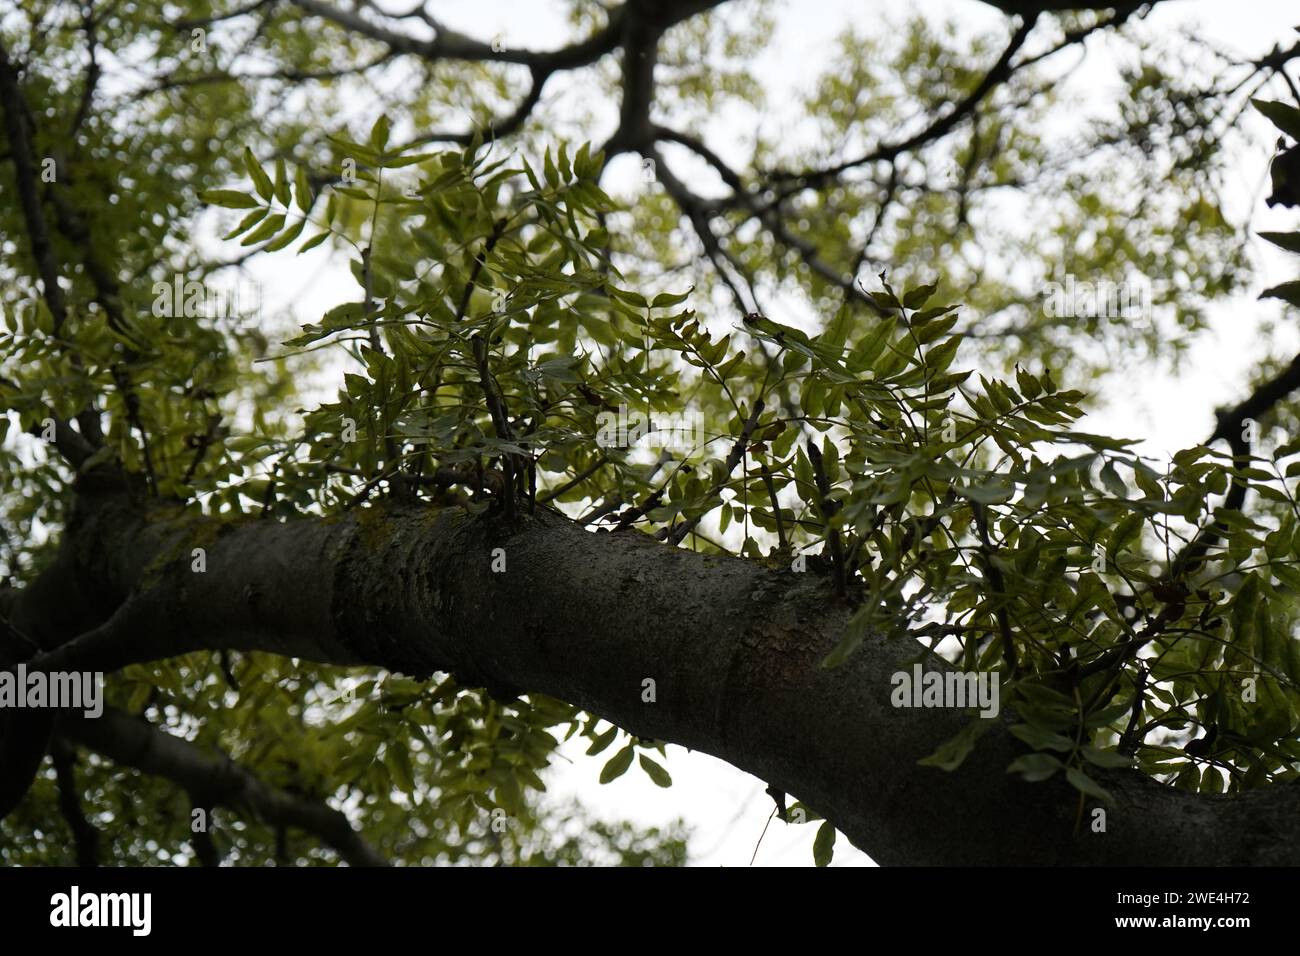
[1231, 427]
[216, 780]
[937, 128]
[85, 837]
[449, 45]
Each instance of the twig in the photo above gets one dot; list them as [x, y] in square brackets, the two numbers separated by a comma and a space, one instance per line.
[84, 835]
[576, 480]
[994, 575]
[733, 459]
[828, 508]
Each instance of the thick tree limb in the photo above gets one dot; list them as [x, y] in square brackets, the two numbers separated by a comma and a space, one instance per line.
[734, 647]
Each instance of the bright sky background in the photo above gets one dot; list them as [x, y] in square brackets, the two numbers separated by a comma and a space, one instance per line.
[726, 808]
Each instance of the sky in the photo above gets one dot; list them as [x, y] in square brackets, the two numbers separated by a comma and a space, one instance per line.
[726, 808]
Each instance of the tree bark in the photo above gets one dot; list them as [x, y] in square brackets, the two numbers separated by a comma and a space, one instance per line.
[734, 648]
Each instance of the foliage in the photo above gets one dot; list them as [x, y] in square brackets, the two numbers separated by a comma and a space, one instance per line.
[975, 513]
[502, 313]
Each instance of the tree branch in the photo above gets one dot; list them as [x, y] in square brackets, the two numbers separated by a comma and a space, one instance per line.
[937, 128]
[1231, 428]
[734, 646]
[84, 835]
[450, 45]
[216, 780]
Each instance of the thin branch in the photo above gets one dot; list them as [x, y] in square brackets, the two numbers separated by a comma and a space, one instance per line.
[84, 835]
[11, 98]
[576, 480]
[449, 45]
[737, 452]
[16, 119]
[213, 779]
[938, 128]
[828, 509]
[994, 575]
[1231, 427]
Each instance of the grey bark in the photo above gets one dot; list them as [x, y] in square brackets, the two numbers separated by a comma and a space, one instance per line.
[733, 646]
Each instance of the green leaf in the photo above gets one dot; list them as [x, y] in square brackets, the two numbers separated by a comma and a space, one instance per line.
[267, 229]
[618, 764]
[313, 242]
[1287, 291]
[601, 741]
[282, 183]
[872, 345]
[379, 134]
[940, 357]
[582, 161]
[1110, 477]
[930, 331]
[915, 298]
[1041, 739]
[343, 315]
[398, 762]
[1288, 574]
[303, 195]
[549, 171]
[286, 237]
[824, 844]
[988, 493]
[1108, 715]
[1284, 117]
[508, 795]
[1289, 241]
[247, 222]
[1106, 758]
[1086, 785]
[885, 302]
[1035, 767]
[1029, 386]
[666, 300]
[1127, 531]
[950, 754]
[228, 198]
[261, 181]
[655, 772]
[631, 298]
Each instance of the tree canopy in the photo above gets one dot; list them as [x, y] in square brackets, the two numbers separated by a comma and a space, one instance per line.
[710, 461]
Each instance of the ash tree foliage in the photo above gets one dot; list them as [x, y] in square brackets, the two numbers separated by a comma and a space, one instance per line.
[353, 581]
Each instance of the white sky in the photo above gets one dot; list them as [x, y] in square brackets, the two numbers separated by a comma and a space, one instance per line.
[727, 808]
